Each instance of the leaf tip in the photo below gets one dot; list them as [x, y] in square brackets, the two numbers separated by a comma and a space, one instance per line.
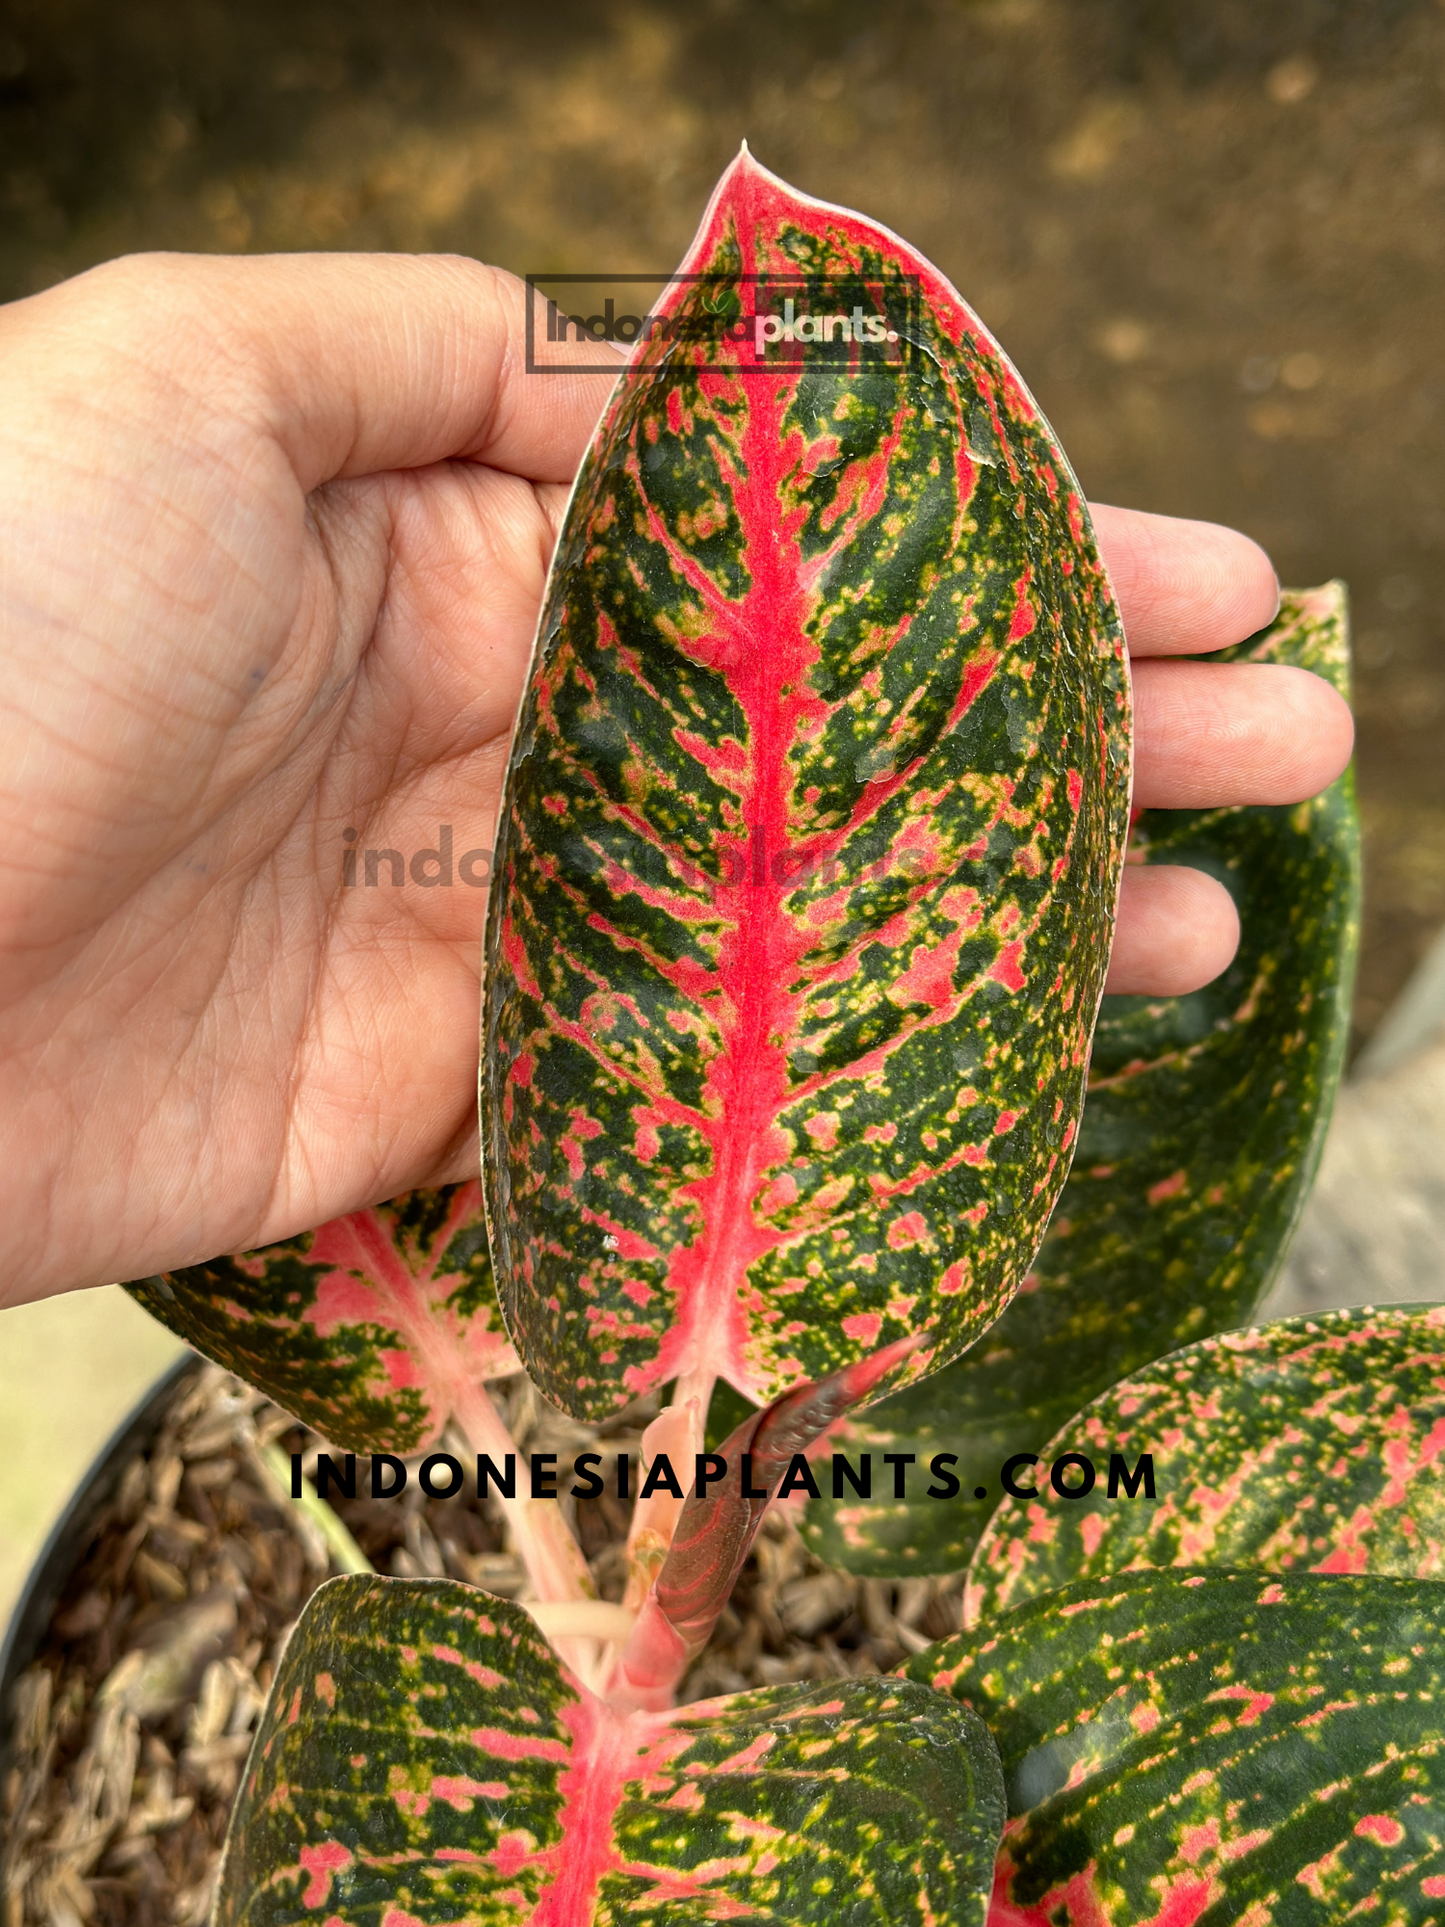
[743, 169]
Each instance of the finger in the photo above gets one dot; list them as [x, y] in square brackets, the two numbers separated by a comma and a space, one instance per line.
[1177, 930]
[353, 363]
[1211, 733]
[1184, 587]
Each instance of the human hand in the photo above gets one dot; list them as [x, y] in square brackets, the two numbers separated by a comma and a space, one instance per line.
[278, 531]
[1205, 734]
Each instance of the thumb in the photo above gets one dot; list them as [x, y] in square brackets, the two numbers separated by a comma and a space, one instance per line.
[352, 363]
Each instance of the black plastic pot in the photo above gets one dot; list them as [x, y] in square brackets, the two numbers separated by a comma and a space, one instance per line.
[71, 1535]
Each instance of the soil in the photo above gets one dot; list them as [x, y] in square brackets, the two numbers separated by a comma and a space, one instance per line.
[132, 1725]
[1212, 233]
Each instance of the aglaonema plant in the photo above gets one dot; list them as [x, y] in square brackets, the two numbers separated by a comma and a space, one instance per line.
[807, 867]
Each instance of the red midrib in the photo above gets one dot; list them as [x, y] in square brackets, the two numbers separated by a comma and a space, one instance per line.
[765, 637]
[758, 645]
[604, 1748]
[402, 1300]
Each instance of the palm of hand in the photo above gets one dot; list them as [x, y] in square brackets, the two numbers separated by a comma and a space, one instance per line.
[202, 1019]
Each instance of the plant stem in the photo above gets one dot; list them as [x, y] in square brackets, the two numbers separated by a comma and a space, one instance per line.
[696, 1385]
[581, 1619]
[677, 1432]
[540, 1537]
[556, 1571]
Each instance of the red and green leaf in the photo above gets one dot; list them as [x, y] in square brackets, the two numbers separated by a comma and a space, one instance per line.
[373, 1329]
[422, 1758]
[1214, 1746]
[1314, 1444]
[810, 844]
[1200, 1135]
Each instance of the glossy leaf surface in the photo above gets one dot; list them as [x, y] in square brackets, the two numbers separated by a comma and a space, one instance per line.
[1314, 1444]
[1212, 1747]
[1199, 1139]
[810, 845]
[372, 1329]
[423, 1758]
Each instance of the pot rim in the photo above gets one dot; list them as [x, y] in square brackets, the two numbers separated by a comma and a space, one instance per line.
[67, 1538]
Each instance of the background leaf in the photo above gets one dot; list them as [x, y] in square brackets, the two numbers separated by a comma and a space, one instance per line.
[423, 1757]
[372, 1329]
[1215, 1746]
[1199, 1140]
[1313, 1443]
[810, 846]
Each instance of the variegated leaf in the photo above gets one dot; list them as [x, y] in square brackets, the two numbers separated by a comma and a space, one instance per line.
[1314, 1444]
[422, 1758]
[810, 844]
[1211, 1746]
[1199, 1140]
[373, 1329]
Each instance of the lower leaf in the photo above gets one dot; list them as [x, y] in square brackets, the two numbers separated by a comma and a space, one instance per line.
[371, 1329]
[1312, 1443]
[424, 1759]
[1214, 1746]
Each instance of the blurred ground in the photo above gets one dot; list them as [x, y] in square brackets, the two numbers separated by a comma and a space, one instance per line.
[1210, 232]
